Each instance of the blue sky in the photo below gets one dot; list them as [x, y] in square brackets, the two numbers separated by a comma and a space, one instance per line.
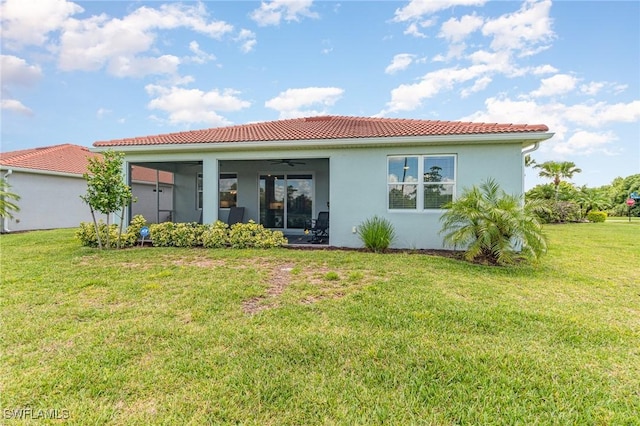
[78, 72]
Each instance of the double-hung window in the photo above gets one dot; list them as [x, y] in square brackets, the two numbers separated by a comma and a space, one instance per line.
[420, 182]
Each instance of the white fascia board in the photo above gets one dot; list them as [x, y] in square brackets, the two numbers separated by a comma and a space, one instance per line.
[525, 138]
[40, 172]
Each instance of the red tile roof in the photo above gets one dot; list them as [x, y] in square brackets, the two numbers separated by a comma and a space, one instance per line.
[144, 174]
[325, 127]
[69, 158]
[65, 158]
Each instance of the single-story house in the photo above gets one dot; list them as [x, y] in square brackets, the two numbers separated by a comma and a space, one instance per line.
[285, 172]
[49, 181]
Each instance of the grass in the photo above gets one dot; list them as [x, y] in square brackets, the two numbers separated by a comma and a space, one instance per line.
[193, 336]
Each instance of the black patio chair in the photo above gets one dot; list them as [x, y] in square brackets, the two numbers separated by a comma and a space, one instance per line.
[319, 228]
[236, 215]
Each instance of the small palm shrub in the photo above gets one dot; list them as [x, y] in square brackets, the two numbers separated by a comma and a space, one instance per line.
[596, 216]
[377, 234]
[493, 226]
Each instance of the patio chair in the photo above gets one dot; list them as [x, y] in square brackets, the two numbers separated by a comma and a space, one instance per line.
[319, 228]
[236, 215]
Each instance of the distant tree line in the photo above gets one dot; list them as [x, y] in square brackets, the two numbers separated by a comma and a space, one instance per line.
[565, 202]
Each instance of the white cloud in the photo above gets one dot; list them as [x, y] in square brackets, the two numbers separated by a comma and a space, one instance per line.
[29, 22]
[544, 69]
[418, 8]
[123, 66]
[479, 85]
[562, 120]
[200, 56]
[247, 39]
[93, 43]
[16, 71]
[559, 84]
[601, 113]
[294, 103]
[413, 30]
[407, 97]
[16, 106]
[272, 13]
[585, 143]
[399, 62]
[102, 112]
[528, 30]
[193, 105]
[455, 30]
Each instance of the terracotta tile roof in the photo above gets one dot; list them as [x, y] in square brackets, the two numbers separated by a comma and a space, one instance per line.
[144, 174]
[69, 158]
[65, 158]
[325, 127]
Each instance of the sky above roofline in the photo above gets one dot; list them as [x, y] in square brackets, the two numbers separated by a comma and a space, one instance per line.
[80, 72]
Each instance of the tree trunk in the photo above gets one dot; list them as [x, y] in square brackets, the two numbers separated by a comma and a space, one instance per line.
[121, 224]
[95, 225]
[108, 230]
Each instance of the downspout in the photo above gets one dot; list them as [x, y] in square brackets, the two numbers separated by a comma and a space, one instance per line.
[5, 220]
[526, 151]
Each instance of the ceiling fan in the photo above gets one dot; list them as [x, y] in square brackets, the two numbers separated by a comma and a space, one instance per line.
[291, 163]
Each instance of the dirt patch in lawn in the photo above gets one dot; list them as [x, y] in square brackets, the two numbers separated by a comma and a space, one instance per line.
[279, 279]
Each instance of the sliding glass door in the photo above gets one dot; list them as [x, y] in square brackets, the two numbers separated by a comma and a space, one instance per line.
[286, 200]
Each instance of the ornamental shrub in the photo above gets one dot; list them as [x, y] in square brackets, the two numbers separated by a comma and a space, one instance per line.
[187, 234]
[86, 233]
[161, 234]
[596, 216]
[216, 236]
[247, 235]
[376, 234]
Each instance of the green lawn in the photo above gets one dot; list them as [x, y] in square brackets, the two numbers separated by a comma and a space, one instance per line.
[276, 337]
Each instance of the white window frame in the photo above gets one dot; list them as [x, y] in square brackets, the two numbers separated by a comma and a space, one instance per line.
[420, 184]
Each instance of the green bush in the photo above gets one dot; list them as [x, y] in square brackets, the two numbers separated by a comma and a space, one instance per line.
[558, 211]
[240, 235]
[161, 234]
[247, 235]
[187, 234]
[596, 216]
[86, 233]
[376, 234]
[216, 236]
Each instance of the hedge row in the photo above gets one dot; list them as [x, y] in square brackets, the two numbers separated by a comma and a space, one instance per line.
[169, 234]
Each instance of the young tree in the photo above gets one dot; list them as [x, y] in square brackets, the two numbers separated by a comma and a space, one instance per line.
[107, 192]
[557, 171]
[493, 226]
[7, 206]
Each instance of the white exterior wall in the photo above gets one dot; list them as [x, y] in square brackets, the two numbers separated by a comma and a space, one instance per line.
[147, 201]
[359, 189]
[355, 181]
[47, 201]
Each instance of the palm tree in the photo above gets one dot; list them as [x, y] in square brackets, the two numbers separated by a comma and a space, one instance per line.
[6, 205]
[556, 171]
[592, 199]
[494, 226]
[528, 161]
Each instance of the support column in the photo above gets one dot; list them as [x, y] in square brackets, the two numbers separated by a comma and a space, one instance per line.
[210, 192]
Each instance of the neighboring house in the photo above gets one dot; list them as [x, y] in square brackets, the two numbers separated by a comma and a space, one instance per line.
[49, 181]
[285, 172]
